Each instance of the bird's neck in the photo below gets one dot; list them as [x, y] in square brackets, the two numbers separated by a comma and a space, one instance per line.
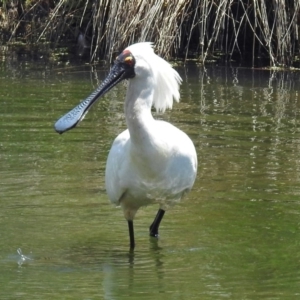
[138, 104]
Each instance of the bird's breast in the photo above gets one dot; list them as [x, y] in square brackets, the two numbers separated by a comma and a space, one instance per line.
[158, 167]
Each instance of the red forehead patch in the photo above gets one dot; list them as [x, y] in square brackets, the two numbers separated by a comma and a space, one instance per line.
[126, 52]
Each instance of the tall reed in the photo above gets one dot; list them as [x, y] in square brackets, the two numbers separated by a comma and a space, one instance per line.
[247, 29]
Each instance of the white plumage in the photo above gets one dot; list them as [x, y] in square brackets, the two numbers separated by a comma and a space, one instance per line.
[152, 161]
[165, 79]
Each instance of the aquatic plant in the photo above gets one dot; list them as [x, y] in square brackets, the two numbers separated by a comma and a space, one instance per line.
[200, 29]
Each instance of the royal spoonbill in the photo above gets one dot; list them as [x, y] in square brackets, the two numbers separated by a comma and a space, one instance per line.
[152, 161]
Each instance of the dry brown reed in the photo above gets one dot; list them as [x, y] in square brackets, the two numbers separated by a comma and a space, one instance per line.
[117, 23]
[182, 28]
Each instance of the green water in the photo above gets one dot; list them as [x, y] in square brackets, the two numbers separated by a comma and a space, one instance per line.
[236, 235]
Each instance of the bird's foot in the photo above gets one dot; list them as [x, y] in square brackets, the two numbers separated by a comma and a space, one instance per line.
[153, 231]
[154, 226]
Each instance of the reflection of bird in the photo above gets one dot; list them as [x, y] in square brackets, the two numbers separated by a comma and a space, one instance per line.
[152, 161]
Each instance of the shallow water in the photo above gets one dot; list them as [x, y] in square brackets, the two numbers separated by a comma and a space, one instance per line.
[235, 236]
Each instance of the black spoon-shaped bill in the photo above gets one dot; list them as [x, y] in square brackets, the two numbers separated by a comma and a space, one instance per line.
[73, 117]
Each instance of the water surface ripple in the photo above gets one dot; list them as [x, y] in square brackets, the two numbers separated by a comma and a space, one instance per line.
[236, 235]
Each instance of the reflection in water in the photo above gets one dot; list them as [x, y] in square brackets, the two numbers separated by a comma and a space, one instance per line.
[138, 270]
[236, 234]
[257, 116]
[124, 273]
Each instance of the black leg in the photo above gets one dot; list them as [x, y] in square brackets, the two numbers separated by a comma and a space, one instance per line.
[131, 234]
[154, 226]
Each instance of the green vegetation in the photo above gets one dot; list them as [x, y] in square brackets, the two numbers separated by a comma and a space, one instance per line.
[201, 29]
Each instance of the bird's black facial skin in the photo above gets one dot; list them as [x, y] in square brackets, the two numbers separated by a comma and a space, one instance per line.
[127, 61]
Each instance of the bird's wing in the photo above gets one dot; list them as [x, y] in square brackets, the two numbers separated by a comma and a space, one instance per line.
[117, 157]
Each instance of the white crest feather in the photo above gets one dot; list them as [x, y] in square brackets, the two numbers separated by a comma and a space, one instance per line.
[166, 79]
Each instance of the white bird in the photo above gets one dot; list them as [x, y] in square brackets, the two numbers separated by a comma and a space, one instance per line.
[152, 161]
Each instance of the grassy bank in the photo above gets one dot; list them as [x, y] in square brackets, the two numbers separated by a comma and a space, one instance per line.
[247, 30]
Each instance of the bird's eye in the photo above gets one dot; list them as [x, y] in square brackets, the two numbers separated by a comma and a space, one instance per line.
[128, 60]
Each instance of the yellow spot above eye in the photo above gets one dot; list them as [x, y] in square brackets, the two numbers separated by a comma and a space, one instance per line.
[128, 59]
